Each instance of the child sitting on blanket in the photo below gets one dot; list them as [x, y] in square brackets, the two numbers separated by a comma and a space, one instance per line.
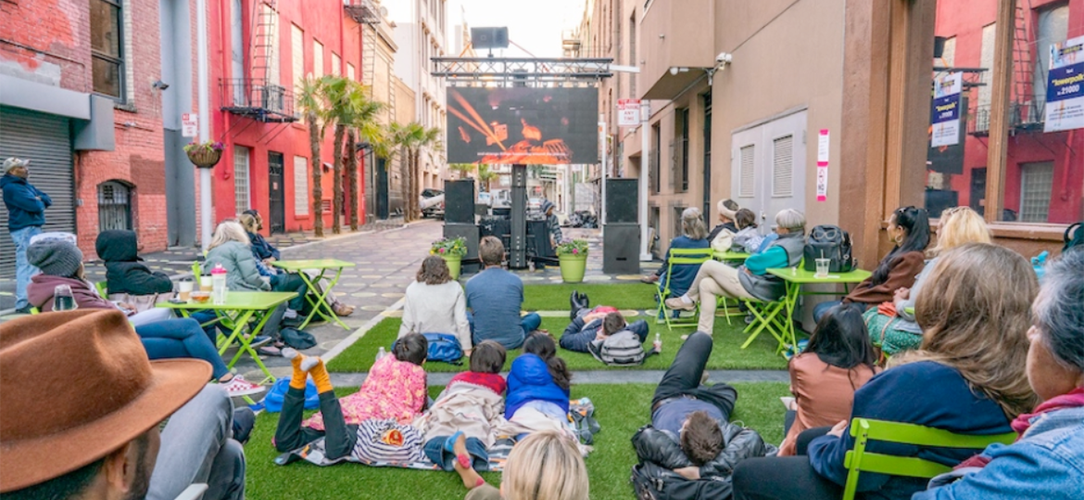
[376, 437]
[395, 387]
[470, 407]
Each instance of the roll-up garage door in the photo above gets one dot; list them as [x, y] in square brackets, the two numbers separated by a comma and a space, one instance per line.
[45, 140]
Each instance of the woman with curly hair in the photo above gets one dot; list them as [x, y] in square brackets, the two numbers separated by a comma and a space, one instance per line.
[435, 303]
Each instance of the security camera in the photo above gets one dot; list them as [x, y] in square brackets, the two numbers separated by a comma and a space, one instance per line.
[724, 58]
[160, 85]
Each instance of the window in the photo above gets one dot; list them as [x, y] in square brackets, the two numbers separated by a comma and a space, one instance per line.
[707, 153]
[274, 71]
[656, 158]
[747, 170]
[301, 185]
[336, 64]
[783, 167]
[241, 198]
[1052, 27]
[114, 206]
[351, 72]
[317, 59]
[1036, 183]
[106, 48]
[683, 150]
[632, 56]
[986, 60]
[297, 59]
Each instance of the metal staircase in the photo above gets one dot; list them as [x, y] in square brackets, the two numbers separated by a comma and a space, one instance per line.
[263, 39]
[1028, 110]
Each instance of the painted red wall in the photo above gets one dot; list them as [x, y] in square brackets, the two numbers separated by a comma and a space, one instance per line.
[964, 19]
[326, 20]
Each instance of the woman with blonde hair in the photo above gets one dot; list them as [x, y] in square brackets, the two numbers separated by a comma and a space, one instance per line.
[694, 234]
[545, 465]
[892, 325]
[968, 377]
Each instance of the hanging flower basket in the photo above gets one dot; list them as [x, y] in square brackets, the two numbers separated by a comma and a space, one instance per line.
[205, 154]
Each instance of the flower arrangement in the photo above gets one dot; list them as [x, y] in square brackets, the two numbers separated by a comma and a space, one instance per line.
[449, 247]
[208, 146]
[572, 247]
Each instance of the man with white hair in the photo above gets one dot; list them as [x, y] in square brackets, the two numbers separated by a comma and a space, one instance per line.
[26, 206]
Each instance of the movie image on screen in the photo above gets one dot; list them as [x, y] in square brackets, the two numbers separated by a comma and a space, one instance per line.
[521, 125]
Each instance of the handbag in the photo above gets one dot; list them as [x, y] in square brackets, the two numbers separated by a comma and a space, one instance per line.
[298, 339]
[829, 242]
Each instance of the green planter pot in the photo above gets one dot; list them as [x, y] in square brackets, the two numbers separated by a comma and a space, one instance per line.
[454, 263]
[573, 267]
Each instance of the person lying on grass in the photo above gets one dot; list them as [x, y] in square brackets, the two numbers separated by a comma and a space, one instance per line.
[470, 407]
[395, 387]
[374, 438]
[597, 324]
[544, 466]
[538, 388]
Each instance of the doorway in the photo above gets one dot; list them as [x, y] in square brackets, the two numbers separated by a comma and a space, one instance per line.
[276, 199]
[381, 188]
[769, 170]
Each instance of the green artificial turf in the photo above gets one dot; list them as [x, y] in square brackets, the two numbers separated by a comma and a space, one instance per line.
[620, 409]
[726, 353]
[621, 295]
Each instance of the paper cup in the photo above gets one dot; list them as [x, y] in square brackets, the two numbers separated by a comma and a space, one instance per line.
[822, 268]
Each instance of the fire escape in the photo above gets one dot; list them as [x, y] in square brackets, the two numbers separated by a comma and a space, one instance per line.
[367, 14]
[258, 94]
[1028, 103]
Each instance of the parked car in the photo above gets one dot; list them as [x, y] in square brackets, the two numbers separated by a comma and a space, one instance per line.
[432, 203]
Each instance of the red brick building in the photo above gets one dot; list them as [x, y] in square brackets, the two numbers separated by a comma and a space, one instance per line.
[82, 98]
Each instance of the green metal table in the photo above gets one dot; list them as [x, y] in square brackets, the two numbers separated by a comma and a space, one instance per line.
[318, 301]
[729, 256]
[795, 278]
[239, 309]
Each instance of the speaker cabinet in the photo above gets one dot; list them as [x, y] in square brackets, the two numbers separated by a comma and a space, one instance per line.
[621, 201]
[622, 249]
[468, 232]
[459, 201]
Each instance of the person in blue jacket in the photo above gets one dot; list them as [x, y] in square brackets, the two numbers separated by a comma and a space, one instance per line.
[539, 379]
[693, 235]
[26, 206]
[967, 378]
[1048, 460]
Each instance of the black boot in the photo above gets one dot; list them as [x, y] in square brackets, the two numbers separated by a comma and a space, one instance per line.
[578, 301]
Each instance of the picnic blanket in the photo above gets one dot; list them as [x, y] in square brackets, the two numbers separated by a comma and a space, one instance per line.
[508, 434]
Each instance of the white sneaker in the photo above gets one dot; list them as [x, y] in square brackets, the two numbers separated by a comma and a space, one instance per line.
[289, 314]
[238, 386]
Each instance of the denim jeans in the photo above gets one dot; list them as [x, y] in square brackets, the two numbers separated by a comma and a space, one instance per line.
[180, 338]
[23, 269]
[435, 452]
[197, 447]
[529, 322]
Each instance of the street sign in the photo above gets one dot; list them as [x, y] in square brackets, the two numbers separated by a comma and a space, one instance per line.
[628, 112]
[189, 125]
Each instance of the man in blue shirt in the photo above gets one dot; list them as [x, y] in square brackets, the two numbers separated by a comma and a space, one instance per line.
[26, 206]
[494, 297]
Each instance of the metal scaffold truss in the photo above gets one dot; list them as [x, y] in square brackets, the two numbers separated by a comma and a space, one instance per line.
[525, 71]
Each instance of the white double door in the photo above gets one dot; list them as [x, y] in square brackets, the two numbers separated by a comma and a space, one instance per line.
[768, 167]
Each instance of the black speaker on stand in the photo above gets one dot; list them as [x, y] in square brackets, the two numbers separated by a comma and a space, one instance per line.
[459, 201]
[517, 251]
[621, 233]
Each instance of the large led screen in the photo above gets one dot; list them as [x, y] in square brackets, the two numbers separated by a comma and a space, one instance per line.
[523, 125]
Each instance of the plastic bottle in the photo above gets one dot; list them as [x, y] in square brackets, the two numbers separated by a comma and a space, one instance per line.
[218, 284]
[658, 343]
[380, 353]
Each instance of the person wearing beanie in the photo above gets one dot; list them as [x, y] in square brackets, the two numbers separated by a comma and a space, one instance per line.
[728, 211]
[552, 224]
[26, 206]
[163, 336]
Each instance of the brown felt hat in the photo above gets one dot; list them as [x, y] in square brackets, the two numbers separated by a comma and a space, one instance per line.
[76, 386]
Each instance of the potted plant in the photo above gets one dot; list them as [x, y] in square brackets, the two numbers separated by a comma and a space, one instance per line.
[204, 154]
[452, 250]
[573, 257]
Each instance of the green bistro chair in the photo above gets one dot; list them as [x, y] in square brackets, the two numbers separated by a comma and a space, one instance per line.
[864, 430]
[767, 316]
[680, 256]
[103, 290]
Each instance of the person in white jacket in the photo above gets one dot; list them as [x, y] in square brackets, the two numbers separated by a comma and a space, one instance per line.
[435, 303]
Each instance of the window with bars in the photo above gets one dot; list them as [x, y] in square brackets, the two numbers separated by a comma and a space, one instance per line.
[747, 172]
[301, 185]
[242, 200]
[114, 206]
[107, 48]
[1036, 184]
[783, 167]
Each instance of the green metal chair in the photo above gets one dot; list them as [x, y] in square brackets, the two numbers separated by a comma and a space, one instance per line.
[767, 316]
[103, 290]
[864, 430]
[680, 256]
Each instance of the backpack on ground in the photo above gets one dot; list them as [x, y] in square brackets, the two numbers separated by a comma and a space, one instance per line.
[1074, 236]
[829, 242]
[653, 482]
[444, 348]
[581, 414]
[621, 348]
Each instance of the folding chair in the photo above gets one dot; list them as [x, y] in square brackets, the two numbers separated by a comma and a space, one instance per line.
[863, 430]
[102, 289]
[680, 256]
[768, 316]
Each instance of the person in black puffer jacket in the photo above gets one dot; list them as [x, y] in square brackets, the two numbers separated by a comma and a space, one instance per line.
[690, 450]
[124, 270]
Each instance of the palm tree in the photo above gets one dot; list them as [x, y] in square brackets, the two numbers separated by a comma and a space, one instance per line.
[463, 169]
[349, 108]
[485, 175]
[417, 137]
[312, 100]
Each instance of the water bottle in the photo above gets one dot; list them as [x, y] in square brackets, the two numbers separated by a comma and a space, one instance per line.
[658, 343]
[218, 284]
[380, 353]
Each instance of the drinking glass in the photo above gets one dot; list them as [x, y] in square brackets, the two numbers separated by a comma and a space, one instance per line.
[63, 299]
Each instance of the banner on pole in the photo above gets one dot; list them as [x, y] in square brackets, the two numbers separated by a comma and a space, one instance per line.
[823, 142]
[628, 112]
[1065, 86]
[945, 115]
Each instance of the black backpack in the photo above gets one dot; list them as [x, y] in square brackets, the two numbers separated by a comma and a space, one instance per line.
[1074, 236]
[829, 242]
